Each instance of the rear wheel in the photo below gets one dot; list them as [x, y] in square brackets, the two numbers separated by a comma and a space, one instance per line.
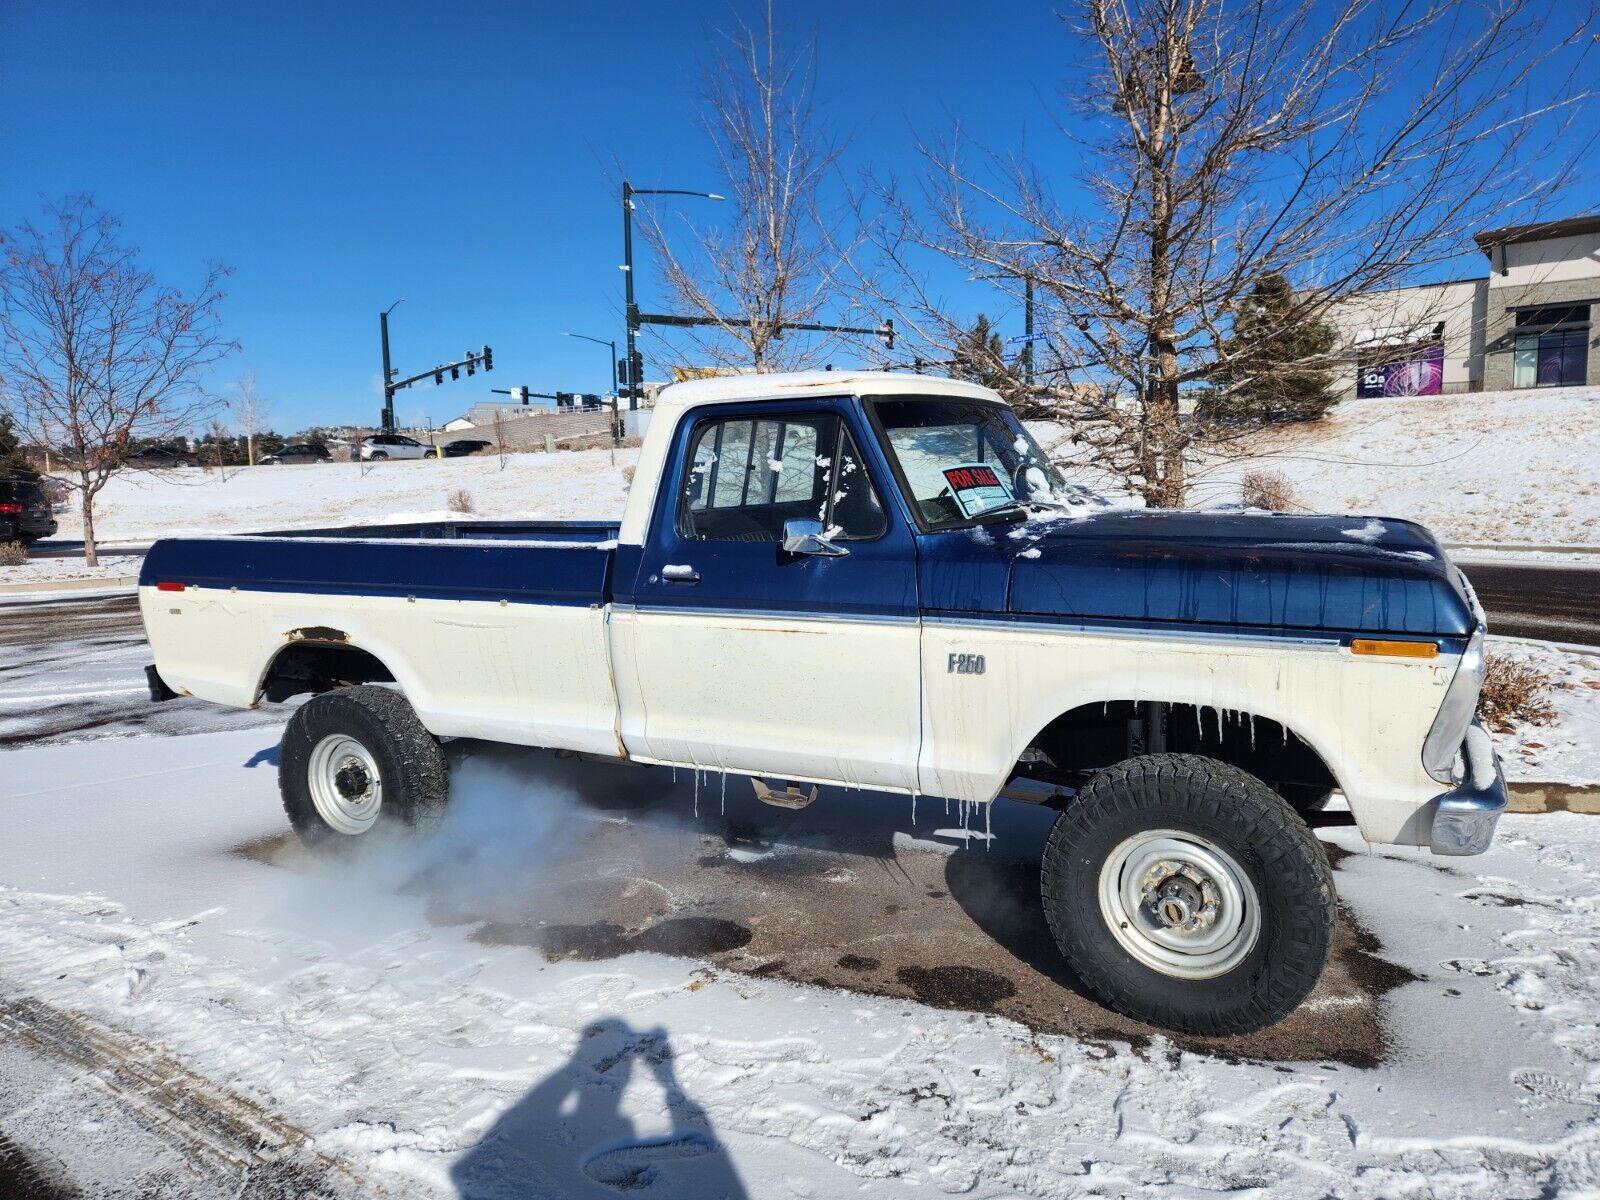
[376, 455]
[1185, 893]
[356, 760]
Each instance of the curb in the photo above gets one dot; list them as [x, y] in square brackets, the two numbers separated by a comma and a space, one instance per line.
[67, 585]
[1554, 797]
[1522, 547]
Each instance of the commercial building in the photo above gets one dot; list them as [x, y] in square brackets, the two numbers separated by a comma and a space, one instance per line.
[1527, 325]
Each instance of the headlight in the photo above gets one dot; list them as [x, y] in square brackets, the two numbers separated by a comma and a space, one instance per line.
[1455, 714]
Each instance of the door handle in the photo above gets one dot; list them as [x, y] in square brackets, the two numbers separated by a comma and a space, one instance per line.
[680, 573]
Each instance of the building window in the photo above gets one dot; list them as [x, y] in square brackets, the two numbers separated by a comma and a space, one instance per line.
[1551, 347]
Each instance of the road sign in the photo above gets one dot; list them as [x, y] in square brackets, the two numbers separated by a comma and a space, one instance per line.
[1024, 338]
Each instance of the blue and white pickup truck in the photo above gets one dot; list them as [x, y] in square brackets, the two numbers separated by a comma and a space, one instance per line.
[879, 581]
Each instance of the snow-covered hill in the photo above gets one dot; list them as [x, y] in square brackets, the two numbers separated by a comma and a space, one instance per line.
[140, 505]
[1513, 467]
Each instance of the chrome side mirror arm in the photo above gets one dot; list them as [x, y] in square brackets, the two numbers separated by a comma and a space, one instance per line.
[801, 536]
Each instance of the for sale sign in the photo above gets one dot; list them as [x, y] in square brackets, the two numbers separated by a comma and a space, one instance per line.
[977, 488]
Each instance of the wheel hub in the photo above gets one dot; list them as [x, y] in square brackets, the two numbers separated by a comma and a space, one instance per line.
[345, 783]
[1179, 903]
[1179, 896]
[352, 779]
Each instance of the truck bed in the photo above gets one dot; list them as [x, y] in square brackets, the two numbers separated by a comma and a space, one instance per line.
[443, 560]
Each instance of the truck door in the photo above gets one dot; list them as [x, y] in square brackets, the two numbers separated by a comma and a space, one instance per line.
[796, 663]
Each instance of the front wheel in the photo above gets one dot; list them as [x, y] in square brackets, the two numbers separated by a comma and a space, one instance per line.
[1185, 893]
[356, 760]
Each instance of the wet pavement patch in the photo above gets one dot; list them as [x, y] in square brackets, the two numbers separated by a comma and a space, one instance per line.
[842, 897]
[957, 987]
[682, 937]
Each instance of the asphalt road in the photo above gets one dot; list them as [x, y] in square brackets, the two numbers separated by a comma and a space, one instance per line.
[1556, 603]
[61, 548]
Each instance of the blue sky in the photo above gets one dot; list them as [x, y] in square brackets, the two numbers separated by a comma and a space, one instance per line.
[339, 156]
[461, 156]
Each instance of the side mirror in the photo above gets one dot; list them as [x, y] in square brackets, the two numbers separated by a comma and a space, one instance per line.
[801, 536]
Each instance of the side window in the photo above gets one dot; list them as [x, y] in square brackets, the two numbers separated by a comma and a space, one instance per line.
[746, 477]
[854, 511]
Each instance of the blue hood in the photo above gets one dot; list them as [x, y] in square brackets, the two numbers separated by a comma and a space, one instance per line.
[1365, 575]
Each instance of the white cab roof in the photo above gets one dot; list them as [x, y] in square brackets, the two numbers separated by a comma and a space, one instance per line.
[796, 385]
[732, 389]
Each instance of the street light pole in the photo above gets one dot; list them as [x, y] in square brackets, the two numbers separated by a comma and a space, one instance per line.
[388, 373]
[631, 308]
[616, 436]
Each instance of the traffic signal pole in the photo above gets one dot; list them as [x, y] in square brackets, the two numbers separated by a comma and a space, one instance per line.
[630, 307]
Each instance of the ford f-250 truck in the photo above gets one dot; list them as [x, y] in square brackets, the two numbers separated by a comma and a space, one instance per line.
[880, 581]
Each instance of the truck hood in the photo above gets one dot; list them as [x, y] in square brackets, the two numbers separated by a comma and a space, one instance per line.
[1345, 574]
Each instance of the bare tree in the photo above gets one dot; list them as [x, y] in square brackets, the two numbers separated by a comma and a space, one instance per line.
[251, 409]
[1348, 148]
[774, 262]
[94, 351]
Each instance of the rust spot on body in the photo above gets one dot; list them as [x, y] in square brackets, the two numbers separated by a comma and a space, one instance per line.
[317, 633]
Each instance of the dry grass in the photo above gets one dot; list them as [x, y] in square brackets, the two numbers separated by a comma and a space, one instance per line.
[1266, 489]
[13, 554]
[627, 476]
[1515, 692]
[461, 501]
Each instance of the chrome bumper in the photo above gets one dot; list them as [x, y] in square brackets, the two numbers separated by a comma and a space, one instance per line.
[1464, 817]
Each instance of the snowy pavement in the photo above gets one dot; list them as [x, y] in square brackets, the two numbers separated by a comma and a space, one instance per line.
[375, 1028]
[72, 667]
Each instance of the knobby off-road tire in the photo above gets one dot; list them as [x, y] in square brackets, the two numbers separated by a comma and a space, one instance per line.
[355, 761]
[1236, 846]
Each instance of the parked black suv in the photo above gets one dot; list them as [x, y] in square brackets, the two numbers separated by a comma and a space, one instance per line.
[25, 514]
[296, 453]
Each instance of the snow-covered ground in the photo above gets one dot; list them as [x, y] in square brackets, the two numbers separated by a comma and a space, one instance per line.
[1504, 467]
[1568, 749]
[365, 1016]
[1494, 467]
[1516, 468]
[70, 570]
[137, 506]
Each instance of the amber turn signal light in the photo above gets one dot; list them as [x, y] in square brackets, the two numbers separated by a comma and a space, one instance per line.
[1384, 649]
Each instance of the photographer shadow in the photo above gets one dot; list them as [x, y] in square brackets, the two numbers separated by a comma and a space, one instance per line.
[569, 1136]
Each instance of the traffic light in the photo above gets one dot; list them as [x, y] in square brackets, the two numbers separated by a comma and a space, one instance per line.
[438, 378]
[886, 332]
[472, 365]
[590, 401]
[488, 359]
[622, 374]
[455, 371]
[522, 393]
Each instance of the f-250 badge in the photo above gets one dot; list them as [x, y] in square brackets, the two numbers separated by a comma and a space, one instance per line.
[966, 664]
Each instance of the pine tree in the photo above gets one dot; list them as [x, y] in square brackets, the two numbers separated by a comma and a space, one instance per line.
[980, 357]
[13, 463]
[1279, 367]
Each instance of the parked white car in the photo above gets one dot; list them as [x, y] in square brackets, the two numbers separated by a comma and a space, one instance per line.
[393, 445]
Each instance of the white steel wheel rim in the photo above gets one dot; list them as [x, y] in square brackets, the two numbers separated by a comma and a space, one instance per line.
[1179, 904]
[345, 784]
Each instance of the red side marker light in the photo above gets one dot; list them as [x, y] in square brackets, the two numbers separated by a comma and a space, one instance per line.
[167, 586]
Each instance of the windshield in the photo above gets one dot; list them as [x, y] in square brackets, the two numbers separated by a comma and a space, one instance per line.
[963, 461]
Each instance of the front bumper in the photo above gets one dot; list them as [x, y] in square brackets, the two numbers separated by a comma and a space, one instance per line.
[1464, 818]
